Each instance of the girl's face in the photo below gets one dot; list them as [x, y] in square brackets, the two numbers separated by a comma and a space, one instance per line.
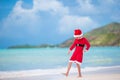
[78, 37]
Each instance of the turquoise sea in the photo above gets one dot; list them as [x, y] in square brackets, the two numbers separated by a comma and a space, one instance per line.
[48, 60]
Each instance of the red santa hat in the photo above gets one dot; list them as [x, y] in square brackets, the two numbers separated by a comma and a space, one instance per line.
[77, 33]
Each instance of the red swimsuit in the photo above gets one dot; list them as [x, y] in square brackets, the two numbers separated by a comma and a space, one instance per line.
[79, 44]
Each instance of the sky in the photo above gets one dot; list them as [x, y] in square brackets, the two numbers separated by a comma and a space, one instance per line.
[36, 22]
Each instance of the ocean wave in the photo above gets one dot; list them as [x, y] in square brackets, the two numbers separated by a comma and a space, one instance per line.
[42, 72]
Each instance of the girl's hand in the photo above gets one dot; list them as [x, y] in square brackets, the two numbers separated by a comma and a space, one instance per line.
[85, 50]
[69, 51]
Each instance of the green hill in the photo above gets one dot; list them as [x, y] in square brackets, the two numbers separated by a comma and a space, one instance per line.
[108, 35]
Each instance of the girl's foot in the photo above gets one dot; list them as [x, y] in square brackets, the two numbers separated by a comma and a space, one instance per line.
[65, 74]
[79, 76]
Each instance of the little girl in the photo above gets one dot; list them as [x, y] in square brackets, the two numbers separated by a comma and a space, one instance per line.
[81, 45]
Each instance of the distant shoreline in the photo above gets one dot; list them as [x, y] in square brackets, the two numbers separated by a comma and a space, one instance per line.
[53, 46]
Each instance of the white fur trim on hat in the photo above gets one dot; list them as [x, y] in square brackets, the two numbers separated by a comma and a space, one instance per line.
[78, 35]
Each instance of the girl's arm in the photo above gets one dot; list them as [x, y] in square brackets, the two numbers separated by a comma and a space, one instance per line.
[87, 44]
[69, 51]
[73, 45]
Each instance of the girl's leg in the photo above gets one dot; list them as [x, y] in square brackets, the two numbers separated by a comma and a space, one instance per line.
[79, 70]
[68, 69]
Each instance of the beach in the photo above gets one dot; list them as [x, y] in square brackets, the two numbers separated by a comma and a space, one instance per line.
[86, 77]
[99, 63]
[106, 73]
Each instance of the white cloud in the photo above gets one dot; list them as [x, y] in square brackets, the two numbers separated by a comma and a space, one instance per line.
[107, 2]
[98, 7]
[52, 6]
[68, 23]
[22, 20]
[19, 21]
[86, 7]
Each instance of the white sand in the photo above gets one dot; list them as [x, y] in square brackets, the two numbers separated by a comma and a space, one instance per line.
[95, 77]
[104, 74]
[72, 77]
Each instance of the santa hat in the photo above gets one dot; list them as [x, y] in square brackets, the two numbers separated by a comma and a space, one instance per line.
[77, 33]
